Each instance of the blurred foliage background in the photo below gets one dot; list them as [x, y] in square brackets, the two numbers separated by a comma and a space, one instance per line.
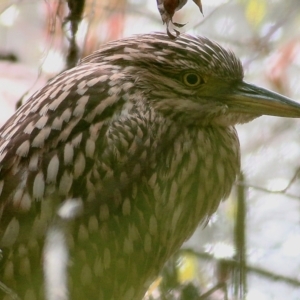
[252, 244]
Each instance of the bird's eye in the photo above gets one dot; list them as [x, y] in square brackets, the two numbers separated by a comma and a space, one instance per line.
[192, 79]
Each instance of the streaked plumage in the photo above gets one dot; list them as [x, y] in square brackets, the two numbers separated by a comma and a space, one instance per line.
[142, 133]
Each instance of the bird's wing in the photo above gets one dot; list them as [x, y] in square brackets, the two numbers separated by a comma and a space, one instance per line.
[53, 141]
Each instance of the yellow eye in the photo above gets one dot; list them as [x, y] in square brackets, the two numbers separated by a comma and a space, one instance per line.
[192, 79]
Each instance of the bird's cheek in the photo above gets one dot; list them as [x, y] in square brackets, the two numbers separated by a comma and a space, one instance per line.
[208, 113]
[231, 119]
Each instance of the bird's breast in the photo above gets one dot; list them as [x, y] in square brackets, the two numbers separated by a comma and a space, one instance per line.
[192, 175]
[160, 193]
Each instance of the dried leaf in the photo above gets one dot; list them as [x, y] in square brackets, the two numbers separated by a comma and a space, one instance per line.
[199, 4]
[167, 9]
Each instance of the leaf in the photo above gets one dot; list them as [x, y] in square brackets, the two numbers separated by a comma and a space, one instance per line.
[187, 268]
[256, 11]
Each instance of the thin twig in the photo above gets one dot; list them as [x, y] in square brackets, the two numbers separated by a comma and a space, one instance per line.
[240, 274]
[258, 271]
[282, 192]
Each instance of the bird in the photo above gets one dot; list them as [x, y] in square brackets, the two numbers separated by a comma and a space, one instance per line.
[138, 140]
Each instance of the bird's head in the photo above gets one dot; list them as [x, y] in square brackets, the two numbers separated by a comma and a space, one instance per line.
[192, 79]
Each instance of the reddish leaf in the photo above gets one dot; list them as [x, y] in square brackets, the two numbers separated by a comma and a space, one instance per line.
[279, 64]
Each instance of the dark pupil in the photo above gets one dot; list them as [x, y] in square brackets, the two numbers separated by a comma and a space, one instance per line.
[192, 79]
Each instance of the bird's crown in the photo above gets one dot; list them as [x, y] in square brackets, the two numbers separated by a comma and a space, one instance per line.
[187, 51]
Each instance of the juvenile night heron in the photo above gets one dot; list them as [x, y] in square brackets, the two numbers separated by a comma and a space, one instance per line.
[142, 134]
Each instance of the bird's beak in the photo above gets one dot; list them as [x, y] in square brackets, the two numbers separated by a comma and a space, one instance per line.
[251, 99]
